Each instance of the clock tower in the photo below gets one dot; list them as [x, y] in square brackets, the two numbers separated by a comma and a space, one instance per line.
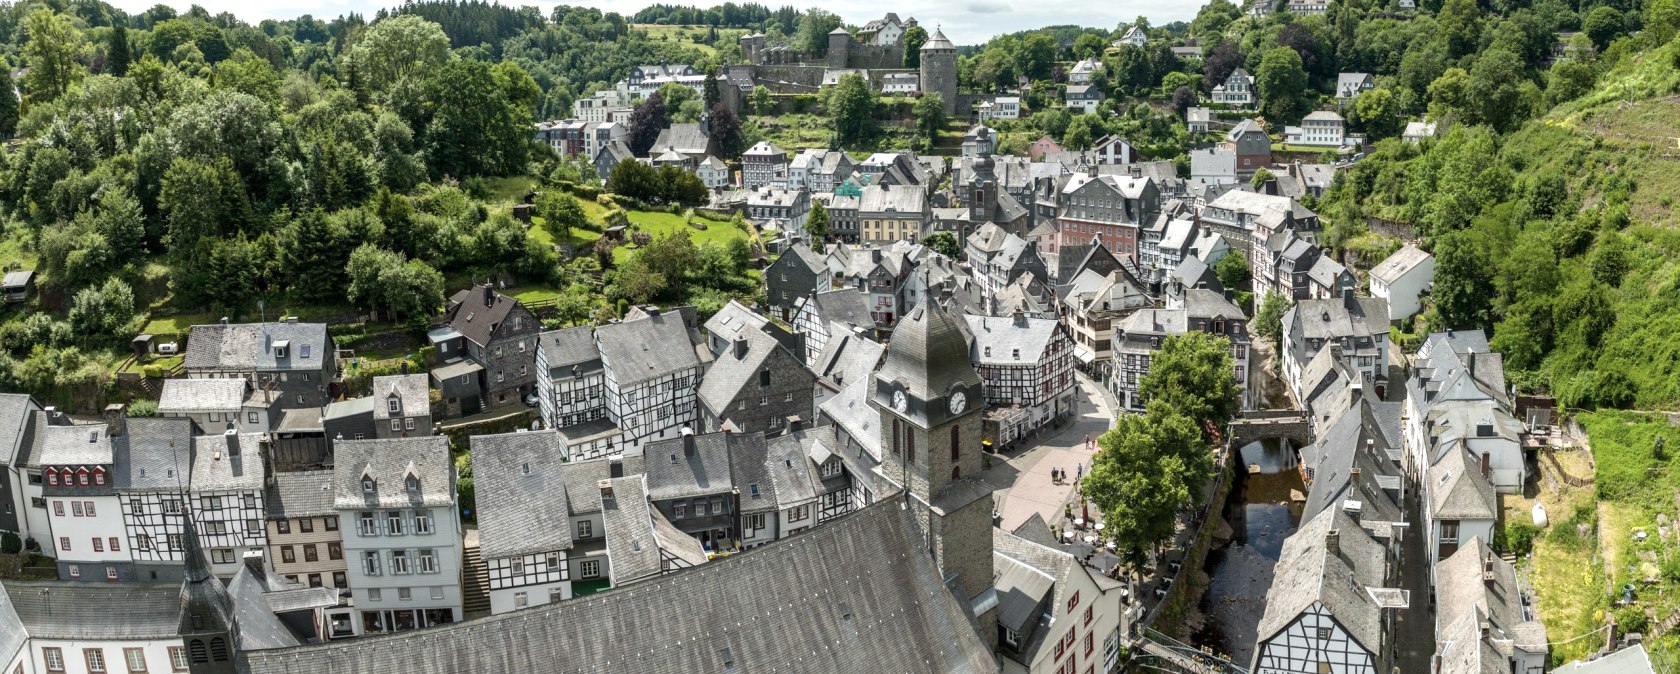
[929, 398]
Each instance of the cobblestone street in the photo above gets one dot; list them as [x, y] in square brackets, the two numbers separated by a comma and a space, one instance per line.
[1023, 484]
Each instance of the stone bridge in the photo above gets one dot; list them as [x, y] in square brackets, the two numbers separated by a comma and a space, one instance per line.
[1254, 425]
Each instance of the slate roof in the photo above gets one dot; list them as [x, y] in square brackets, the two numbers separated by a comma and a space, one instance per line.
[73, 445]
[259, 628]
[99, 612]
[199, 395]
[521, 511]
[799, 252]
[675, 472]
[570, 347]
[846, 306]
[250, 346]
[1337, 317]
[851, 411]
[1465, 593]
[641, 349]
[637, 535]
[306, 493]
[154, 453]
[476, 321]
[1007, 336]
[735, 319]
[216, 469]
[847, 358]
[1457, 490]
[684, 138]
[388, 461]
[582, 479]
[870, 602]
[910, 199]
[938, 41]
[1399, 264]
[789, 469]
[17, 418]
[1307, 572]
[928, 356]
[1630, 660]
[411, 390]
[730, 375]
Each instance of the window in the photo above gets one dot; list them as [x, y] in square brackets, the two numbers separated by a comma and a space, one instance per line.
[95, 659]
[52, 478]
[75, 571]
[404, 594]
[142, 542]
[1089, 613]
[222, 555]
[1073, 602]
[54, 658]
[135, 508]
[98, 544]
[369, 526]
[393, 523]
[586, 529]
[287, 555]
[335, 550]
[116, 544]
[310, 553]
[370, 563]
[428, 561]
[422, 521]
[1324, 633]
[58, 508]
[331, 522]
[755, 522]
[253, 528]
[394, 405]
[306, 525]
[799, 513]
[135, 658]
[408, 423]
[340, 580]
[282, 526]
[175, 542]
[172, 506]
[1090, 644]
[679, 511]
[88, 506]
[1011, 638]
[375, 594]
[519, 600]
[437, 592]
[177, 658]
[76, 508]
[110, 573]
[590, 568]
[251, 417]
[315, 580]
[399, 562]
[396, 424]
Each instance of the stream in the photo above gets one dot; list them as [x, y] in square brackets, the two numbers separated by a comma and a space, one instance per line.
[1261, 517]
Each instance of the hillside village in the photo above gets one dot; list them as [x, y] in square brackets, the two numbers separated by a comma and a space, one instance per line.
[824, 351]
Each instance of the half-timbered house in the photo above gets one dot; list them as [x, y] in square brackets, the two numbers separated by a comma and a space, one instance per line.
[227, 498]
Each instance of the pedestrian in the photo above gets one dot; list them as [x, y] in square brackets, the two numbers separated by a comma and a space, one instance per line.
[1081, 471]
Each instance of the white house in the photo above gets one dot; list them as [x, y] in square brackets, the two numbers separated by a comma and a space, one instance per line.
[1054, 613]
[227, 498]
[212, 404]
[26, 510]
[1483, 615]
[1358, 325]
[1082, 71]
[1027, 366]
[85, 514]
[1332, 605]
[901, 83]
[1135, 37]
[652, 374]
[404, 553]
[1005, 107]
[1350, 85]
[1401, 279]
[91, 628]
[1321, 128]
[1084, 98]
[527, 530]
[1236, 90]
[1417, 131]
[713, 173]
[1198, 119]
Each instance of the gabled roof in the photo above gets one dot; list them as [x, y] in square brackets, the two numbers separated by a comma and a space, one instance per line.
[1010, 340]
[864, 579]
[73, 445]
[730, 374]
[476, 320]
[522, 496]
[637, 534]
[216, 468]
[307, 493]
[697, 465]
[389, 461]
[17, 419]
[734, 320]
[1308, 572]
[645, 348]
[847, 358]
[251, 346]
[1457, 490]
[846, 306]
[1399, 264]
[410, 390]
[154, 453]
[570, 347]
[800, 253]
[96, 612]
[850, 410]
[201, 395]
[1475, 590]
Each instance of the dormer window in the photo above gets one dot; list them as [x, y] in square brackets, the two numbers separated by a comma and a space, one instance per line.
[52, 478]
[303, 351]
[82, 477]
[281, 347]
[394, 404]
[99, 475]
[412, 483]
[367, 484]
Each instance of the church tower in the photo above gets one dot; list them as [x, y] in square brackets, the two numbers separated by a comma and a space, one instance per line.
[982, 190]
[207, 626]
[939, 70]
[928, 395]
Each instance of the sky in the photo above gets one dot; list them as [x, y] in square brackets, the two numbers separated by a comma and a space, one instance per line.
[964, 21]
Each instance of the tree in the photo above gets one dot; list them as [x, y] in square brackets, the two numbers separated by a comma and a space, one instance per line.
[118, 53]
[852, 105]
[913, 40]
[1079, 134]
[1152, 467]
[930, 116]
[646, 121]
[1035, 57]
[102, 312]
[313, 252]
[671, 256]
[1378, 113]
[397, 48]
[1662, 19]
[481, 122]
[1089, 44]
[1449, 95]
[1183, 98]
[1220, 62]
[726, 132]
[1233, 271]
[1282, 82]
[1603, 24]
[8, 104]
[1568, 80]
[1193, 374]
[1463, 290]
[814, 28]
[1312, 50]
[1262, 176]
[816, 224]
[561, 213]
[1460, 25]
[50, 54]
[944, 243]
[381, 279]
[713, 94]
[761, 101]
[199, 200]
[1268, 321]
[635, 283]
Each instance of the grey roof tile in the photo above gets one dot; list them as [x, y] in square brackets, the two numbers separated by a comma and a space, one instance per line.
[645, 348]
[1307, 571]
[476, 320]
[199, 395]
[697, 465]
[522, 496]
[102, 612]
[17, 412]
[307, 493]
[251, 346]
[412, 393]
[154, 453]
[570, 347]
[389, 461]
[215, 468]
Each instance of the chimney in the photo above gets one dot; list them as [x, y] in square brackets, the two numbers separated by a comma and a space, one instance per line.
[651, 311]
[795, 424]
[1353, 474]
[1348, 299]
[403, 367]
[224, 321]
[1487, 569]
[688, 442]
[875, 255]
[291, 320]
[1332, 542]
[741, 348]
[1371, 446]
[1356, 391]
[615, 465]
[232, 438]
[116, 419]
[1487, 465]
[489, 295]
[606, 489]
[1020, 319]
[254, 561]
[1470, 363]
[1230, 295]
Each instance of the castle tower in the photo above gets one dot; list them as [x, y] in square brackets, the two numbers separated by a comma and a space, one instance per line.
[928, 395]
[207, 626]
[939, 70]
[839, 47]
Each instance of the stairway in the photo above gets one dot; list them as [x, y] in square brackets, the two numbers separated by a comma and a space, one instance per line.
[475, 584]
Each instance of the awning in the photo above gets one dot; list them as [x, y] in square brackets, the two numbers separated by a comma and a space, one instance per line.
[1083, 354]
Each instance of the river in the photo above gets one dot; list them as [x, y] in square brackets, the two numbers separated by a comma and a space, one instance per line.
[1261, 515]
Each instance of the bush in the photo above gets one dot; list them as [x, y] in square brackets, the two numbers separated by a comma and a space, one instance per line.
[151, 371]
[1519, 537]
[336, 329]
[143, 408]
[1631, 619]
[10, 543]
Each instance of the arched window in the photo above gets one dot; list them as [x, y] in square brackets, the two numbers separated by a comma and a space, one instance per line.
[218, 649]
[956, 443]
[197, 652]
[895, 436]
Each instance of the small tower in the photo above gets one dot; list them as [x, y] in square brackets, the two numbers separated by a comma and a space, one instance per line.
[930, 401]
[207, 626]
[982, 190]
[839, 47]
[939, 70]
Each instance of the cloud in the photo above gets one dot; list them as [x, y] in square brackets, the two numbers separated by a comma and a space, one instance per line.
[987, 8]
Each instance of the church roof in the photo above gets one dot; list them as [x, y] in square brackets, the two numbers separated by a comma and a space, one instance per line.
[928, 356]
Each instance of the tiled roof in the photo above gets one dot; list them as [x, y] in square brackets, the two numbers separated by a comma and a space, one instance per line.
[646, 348]
[570, 347]
[154, 453]
[411, 391]
[697, 465]
[98, 612]
[72, 445]
[215, 468]
[307, 493]
[473, 318]
[851, 411]
[250, 346]
[1308, 572]
[17, 411]
[522, 497]
[199, 395]
[870, 602]
[389, 461]
[1398, 264]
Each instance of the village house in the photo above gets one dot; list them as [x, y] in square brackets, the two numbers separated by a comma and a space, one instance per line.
[1083, 98]
[1092, 306]
[1027, 366]
[1484, 620]
[1108, 207]
[153, 490]
[571, 390]
[764, 164]
[1138, 337]
[1321, 128]
[796, 274]
[86, 522]
[889, 213]
[305, 543]
[756, 386]
[1251, 145]
[402, 405]
[1350, 85]
[404, 557]
[1358, 324]
[214, 405]
[1054, 613]
[830, 315]
[529, 536]
[1236, 91]
[293, 360]
[1198, 119]
[1402, 279]
[652, 372]
[227, 495]
[498, 334]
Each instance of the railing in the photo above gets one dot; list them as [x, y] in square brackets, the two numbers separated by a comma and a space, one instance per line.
[1164, 653]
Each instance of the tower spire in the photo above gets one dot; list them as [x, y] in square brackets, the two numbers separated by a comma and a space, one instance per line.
[207, 625]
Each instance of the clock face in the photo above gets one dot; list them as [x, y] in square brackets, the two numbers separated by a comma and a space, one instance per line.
[900, 402]
[959, 402]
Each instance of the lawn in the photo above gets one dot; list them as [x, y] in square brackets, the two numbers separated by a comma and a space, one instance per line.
[690, 36]
[12, 252]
